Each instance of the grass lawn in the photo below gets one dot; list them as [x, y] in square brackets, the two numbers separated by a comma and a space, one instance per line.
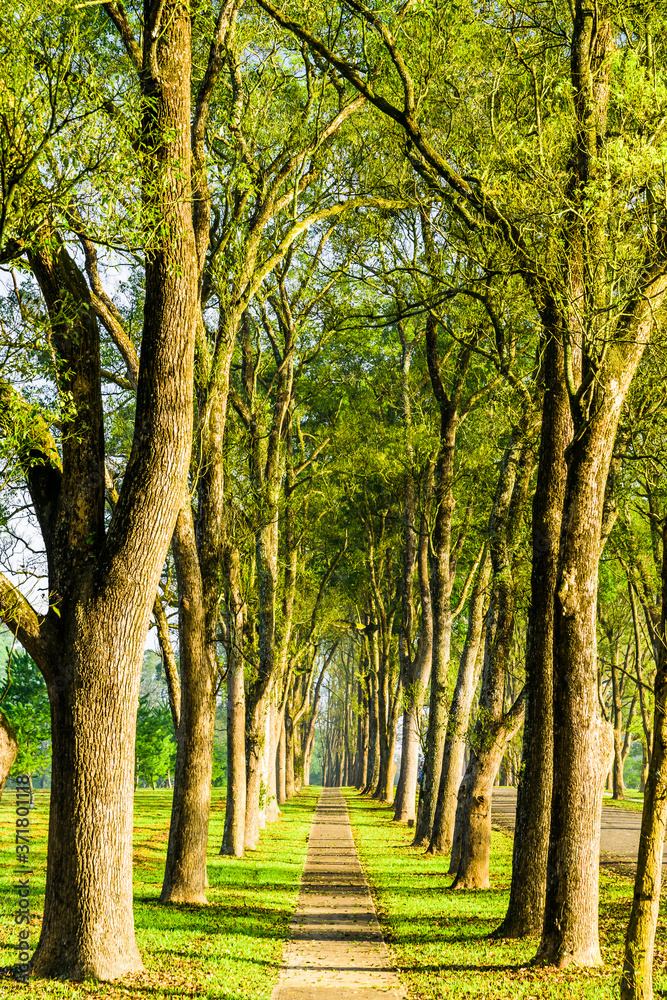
[634, 801]
[229, 950]
[438, 939]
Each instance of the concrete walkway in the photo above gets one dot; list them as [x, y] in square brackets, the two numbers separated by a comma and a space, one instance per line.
[619, 835]
[336, 951]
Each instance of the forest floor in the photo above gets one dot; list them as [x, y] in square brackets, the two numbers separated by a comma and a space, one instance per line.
[439, 940]
[229, 950]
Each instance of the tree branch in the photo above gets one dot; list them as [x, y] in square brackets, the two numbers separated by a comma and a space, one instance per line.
[116, 13]
[38, 635]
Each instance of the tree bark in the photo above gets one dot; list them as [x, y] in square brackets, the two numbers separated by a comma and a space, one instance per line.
[470, 667]
[254, 748]
[582, 741]
[233, 840]
[309, 742]
[373, 762]
[525, 911]
[637, 979]
[8, 749]
[289, 751]
[272, 807]
[475, 819]
[495, 727]
[365, 736]
[280, 764]
[404, 808]
[441, 588]
[185, 870]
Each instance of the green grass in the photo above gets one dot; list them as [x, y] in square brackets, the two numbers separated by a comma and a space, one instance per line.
[229, 950]
[439, 940]
[634, 801]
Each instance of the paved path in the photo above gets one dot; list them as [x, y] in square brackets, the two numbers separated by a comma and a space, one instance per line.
[619, 836]
[336, 951]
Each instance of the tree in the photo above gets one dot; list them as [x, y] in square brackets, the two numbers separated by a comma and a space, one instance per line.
[637, 980]
[88, 649]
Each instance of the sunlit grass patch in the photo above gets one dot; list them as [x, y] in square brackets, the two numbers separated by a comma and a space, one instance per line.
[229, 950]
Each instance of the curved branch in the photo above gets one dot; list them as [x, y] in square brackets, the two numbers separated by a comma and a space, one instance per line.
[116, 13]
[37, 634]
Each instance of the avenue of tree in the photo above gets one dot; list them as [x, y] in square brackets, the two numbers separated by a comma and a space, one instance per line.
[333, 355]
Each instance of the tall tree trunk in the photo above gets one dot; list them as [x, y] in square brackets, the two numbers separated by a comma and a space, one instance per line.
[233, 839]
[266, 548]
[272, 808]
[495, 727]
[373, 763]
[475, 818]
[470, 668]
[289, 752]
[617, 784]
[365, 737]
[637, 979]
[382, 667]
[406, 660]
[309, 741]
[254, 748]
[404, 809]
[525, 911]
[441, 588]
[386, 781]
[582, 741]
[185, 870]
[457, 837]
[281, 763]
[94, 667]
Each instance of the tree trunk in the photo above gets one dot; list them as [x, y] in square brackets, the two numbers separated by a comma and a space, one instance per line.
[441, 587]
[88, 924]
[280, 766]
[264, 763]
[233, 839]
[386, 783]
[272, 808]
[254, 748]
[470, 667]
[373, 763]
[289, 752]
[404, 809]
[104, 587]
[617, 783]
[475, 820]
[525, 911]
[381, 661]
[8, 749]
[185, 870]
[582, 741]
[645, 769]
[637, 979]
[495, 728]
[457, 838]
[365, 738]
[404, 805]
